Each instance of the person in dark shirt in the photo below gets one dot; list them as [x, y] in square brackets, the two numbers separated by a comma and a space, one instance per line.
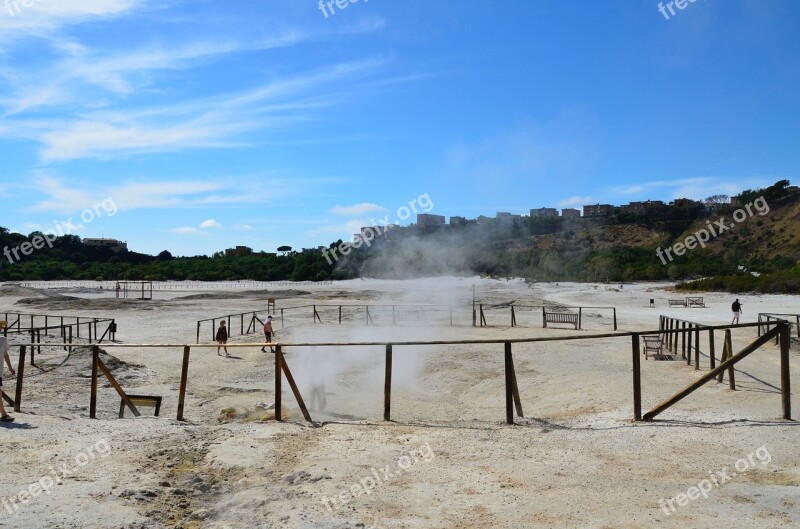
[222, 337]
[736, 307]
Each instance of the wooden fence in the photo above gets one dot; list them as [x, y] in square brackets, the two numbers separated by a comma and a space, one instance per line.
[512, 398]
[68, 327]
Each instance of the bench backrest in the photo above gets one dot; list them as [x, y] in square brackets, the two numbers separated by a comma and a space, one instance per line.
[557, 317]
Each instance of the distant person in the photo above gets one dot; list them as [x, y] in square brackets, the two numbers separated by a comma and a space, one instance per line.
[5, 351]
[268, 334]
[736, 307]
[4, 417]
[222, 337]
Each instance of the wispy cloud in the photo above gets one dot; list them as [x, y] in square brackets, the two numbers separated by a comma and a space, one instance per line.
[357, 209]
[210, 223]
[695, 188]
[345, 230]
[34, 17]
[201, 229]
[68, 198]
[576, 201]
[211, 122]
[188, 230]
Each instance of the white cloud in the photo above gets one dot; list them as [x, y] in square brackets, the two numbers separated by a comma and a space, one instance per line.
[358, 209]
[696, 188]
[243, 227]
[576, 201]
[210, 223]
[346, 231]
[71, 198]
[188, 230]
[111, 104]
[43, 16]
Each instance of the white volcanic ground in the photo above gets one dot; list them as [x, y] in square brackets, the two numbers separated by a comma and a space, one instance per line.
[576, 460]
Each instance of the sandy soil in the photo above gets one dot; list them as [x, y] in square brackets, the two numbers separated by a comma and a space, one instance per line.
[447, 460]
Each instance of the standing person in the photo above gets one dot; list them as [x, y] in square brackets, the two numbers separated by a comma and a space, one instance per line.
[5, 350]
[222, 337]
[736, 307]
[268, 334]
[4, 417]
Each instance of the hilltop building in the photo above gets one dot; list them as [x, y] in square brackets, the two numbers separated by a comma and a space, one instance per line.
[238, 251]
[113, 244]
[598, 210]
[571, 213]
[426, 219]
[641, 208]
[544, 212]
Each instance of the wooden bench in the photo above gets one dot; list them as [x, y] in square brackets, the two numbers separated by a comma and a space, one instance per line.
[560, 317]
[677, 302]
[140, 401]
[695, 302]
[652, 344]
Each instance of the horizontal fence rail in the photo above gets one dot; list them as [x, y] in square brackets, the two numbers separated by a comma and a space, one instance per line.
[167, 285]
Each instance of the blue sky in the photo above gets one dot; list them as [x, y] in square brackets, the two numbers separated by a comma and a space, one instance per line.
[262, 123]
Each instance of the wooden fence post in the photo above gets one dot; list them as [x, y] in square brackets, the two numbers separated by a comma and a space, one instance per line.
[20, 378]
[278, 369]
[93, 398]
[683, 342]
[786, 393]
[696, 347]
[387, 385]
[711, 351]
[637, 378]
[184, 379]
[731, 376]
[509, 390]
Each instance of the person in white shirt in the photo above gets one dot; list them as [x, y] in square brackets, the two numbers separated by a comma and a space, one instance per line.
[5, 354]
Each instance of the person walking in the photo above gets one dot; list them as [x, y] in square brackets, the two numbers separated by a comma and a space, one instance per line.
[4, 417]
[268, 334]
[736, 307]
[222, 337]
[5, 351]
